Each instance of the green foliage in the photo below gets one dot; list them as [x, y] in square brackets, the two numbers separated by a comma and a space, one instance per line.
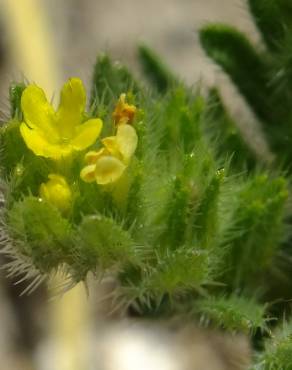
[273, 19]
[171, 203]
[225, 132]
[263, 77]
[225, 138]
[20, 169]
[15, 92]
[154, 69]
[206, 218]
[100, 244]
[177, 272]
[108, 82]
[233, 313]
[42, 233]
[278, 350]
[185, 228]
[235, 54]
[258, 231]
[12, 145]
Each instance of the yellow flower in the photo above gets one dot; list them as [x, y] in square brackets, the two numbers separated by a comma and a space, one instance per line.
[124, 112]
[57, 192]
[57, 134]
[108, 164]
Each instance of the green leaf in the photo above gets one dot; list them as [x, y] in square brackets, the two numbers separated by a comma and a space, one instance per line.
[180, 271]
[268, 17]
[174, 219]
[12, 147]
[278, 350]
[109, 81]
[101, 243]
[258, 230]
[238, 58]
[154, 69]
[225, 135]
[233, 313]
[15, 93]
[24, 171]
[206, 222]
[42, 233]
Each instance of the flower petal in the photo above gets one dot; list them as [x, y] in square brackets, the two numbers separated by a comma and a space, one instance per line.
[86, 134]
[92, 156]
[37, 142]
[124, 112]
[112, 146]
[38, 112]
[108, 169]
[87, 174]
[127, 141]
[71, 107]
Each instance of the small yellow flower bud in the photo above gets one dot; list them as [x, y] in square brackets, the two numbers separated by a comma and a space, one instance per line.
[57, 192]
[124, 112]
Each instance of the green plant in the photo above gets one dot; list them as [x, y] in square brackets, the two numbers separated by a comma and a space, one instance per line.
[169, 199]
[262, 73]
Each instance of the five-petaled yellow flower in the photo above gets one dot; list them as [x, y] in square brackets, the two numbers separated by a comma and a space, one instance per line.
[106, 165]
[56, 134]
[57, 192]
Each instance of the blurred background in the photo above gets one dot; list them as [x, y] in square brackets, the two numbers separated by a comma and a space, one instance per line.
[47, 41]
[80, 29]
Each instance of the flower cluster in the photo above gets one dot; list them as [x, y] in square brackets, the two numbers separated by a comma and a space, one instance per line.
[58, 134]
[108, 163]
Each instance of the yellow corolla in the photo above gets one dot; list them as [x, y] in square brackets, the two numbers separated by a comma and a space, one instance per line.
[57, 192]
[108, 164]
[56, 134]
[124, 112]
